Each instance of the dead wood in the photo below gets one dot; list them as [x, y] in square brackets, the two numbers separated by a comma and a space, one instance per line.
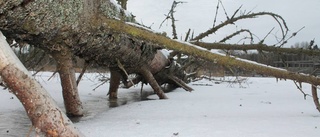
[45, 115]
[315, 97]
[66, 72]
[258, 47]
[223, 60]
[233, 19]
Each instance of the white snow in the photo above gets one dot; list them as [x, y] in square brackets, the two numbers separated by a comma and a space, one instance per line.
[118, 8]
[260, 107]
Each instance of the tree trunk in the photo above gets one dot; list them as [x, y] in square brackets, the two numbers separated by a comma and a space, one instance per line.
[220, 59]
[146, 73]
[315, 97]
[114, 84]
[66, 71]
[43, 112]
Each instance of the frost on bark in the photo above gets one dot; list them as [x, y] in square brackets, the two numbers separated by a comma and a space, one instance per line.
[43, 112]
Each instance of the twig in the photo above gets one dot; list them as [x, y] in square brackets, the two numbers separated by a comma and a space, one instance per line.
[216, 15]
[54, 73]
[42, 67]
[174, 31]
[236, 33]
[300, 89]
[141, 89]
[266, 36]
[105, 81]
[225, 12]
[235, 13]
[187, 35]
[168, 16]
[125, 72]
[86, 64]
[241, 17]
[293, 34]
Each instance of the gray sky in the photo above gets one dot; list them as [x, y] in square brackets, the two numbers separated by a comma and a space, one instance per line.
[199, 15]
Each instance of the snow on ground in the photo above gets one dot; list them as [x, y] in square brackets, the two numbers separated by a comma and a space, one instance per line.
[260, 107]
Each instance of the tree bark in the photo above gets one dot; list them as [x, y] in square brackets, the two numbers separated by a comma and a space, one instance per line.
[66, 72]
[114, 84]
[259, 47]
[43, 112]
[146, 73]
[220, 59]
[315, 97]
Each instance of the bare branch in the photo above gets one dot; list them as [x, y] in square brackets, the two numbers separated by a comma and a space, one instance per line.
[216, 15]
[261, 47]
[293, 35]
[299, 87]
[187, 35]
[225, 12]
[241, 17]
[170, 15]
[237, 33]
[193, 50]
[86, 64]
[266, 35]
[315, 97]
[235, 13]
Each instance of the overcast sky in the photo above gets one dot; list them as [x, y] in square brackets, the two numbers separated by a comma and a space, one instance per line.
[199, 15]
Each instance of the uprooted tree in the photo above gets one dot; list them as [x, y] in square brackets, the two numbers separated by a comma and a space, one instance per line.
[87, 29]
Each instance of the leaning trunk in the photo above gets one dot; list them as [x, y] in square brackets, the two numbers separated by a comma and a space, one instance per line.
[315, 97]
[43, 112]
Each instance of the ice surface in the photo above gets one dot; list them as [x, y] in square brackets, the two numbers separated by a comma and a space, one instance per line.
[260, 107]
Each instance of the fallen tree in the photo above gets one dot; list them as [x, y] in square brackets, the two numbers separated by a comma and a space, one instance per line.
[45, 115]
[86, 29]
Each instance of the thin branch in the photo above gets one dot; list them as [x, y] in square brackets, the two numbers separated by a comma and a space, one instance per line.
[124, 70]
[86, 64]
[170, 15]
[216, 15]
[241, 17]
[315, 96]
[187, 35]
[266, 36]
[173, 25]
[53, 74]
[235, 13]
[236, 33]
[102, 83]
[282, 31]
[225, 12]
[261, 47]
[299, 87]
[293, 35]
